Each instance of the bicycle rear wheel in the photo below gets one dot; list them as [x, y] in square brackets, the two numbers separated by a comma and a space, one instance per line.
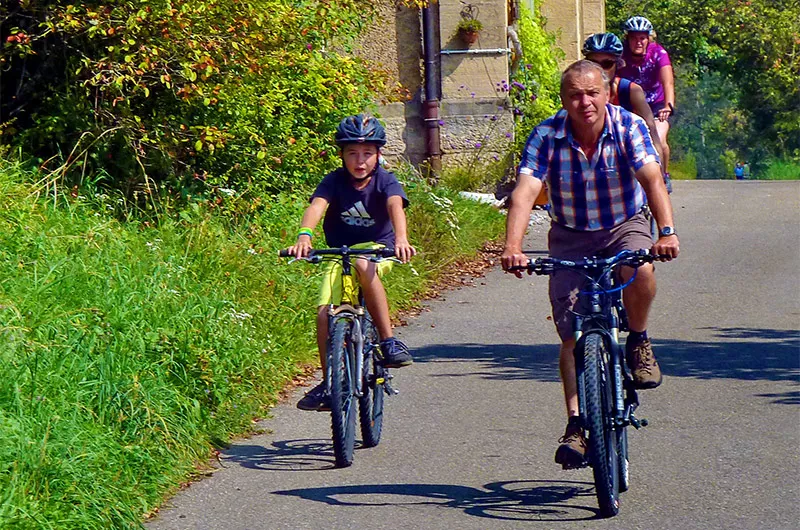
[599, 422]
[370, 404]
[343, 402]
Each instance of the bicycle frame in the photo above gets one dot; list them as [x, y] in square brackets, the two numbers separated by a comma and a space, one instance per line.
[352, 309]
[606, 316]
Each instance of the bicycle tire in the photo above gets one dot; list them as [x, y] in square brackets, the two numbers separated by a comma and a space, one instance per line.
[370, 404]
[624, 461]
[343, 402]
[599, 413]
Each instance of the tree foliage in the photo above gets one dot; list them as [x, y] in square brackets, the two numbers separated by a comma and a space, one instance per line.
[752, 47]
[219, 92]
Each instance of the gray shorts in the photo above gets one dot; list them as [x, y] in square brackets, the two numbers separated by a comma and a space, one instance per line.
[566, 243]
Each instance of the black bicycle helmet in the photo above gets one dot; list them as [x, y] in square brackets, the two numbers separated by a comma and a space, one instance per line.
[603, 43]
[638, 24]
[360, 129]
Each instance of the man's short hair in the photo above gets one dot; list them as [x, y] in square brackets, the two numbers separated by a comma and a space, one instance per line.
[583, 67]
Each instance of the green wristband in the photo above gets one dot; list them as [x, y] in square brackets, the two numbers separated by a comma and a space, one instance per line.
[305, 232]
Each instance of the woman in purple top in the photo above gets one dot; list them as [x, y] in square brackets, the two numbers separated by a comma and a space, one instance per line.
[647, 64]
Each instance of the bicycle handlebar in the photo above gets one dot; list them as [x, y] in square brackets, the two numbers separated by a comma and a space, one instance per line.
[631, 258]
[343, 251]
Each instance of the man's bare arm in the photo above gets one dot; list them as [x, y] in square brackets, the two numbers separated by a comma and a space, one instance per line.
[519, 214]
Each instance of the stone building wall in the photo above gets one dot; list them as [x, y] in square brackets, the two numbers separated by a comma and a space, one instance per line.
[475, 119]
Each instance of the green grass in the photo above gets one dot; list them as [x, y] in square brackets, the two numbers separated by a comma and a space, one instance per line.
[130, 349]
[779, 170]
[685, 169]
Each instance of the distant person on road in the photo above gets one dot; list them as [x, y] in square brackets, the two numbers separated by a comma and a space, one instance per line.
[738, 171]
[601, 167]
[363, 207]
[606, 49]
[648, 64]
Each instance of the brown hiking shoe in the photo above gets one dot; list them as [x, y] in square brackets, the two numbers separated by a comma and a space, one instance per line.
[643, 365]
[571, 454]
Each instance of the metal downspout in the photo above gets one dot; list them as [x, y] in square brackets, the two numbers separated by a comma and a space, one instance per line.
[433, 87]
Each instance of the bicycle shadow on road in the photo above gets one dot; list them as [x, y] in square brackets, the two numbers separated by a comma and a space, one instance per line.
[748, 354]
[498, 361]
[542, 501]
[286, 455]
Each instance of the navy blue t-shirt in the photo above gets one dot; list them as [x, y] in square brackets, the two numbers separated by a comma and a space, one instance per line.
[358, 216]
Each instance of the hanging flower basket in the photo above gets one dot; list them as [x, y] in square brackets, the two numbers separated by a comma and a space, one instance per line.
[469, 30]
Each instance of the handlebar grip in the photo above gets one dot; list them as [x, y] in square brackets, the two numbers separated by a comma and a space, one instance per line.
[385, 252]
[284, 253]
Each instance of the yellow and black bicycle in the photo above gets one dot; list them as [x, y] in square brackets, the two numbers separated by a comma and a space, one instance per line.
[353, 372]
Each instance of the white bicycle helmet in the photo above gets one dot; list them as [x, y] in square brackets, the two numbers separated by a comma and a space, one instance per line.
[638, 24]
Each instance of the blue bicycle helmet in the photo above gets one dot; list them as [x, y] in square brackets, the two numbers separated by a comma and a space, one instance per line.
[638, 24]
[603, 43]
[360, 129]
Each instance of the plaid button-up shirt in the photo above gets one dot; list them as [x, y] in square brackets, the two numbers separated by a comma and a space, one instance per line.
[595, 194]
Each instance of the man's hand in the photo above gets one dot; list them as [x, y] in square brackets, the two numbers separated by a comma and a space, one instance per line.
[403, 250]
[301, 248]
[513, 257]
[668, 246]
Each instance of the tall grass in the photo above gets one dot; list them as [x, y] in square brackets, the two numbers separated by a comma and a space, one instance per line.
[779, 170]
[129, 349]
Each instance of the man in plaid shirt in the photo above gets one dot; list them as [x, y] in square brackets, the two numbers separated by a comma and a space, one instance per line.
[601, 168]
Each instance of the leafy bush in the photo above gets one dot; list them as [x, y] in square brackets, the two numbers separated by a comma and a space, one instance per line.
[534, 89]
[186, 93]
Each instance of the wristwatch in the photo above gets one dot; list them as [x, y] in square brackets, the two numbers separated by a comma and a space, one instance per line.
[667, 231]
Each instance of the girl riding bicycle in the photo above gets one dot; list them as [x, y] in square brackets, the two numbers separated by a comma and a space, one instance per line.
[363, 206]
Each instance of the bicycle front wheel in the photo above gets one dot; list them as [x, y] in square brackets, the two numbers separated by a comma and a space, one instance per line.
[624, 462]
[343, 400]
[600, 424]
[370, 404]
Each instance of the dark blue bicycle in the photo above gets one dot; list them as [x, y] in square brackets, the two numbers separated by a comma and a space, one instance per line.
[606, 395]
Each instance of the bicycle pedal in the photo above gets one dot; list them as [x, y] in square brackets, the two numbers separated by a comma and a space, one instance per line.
[389, 389]
[638, 423]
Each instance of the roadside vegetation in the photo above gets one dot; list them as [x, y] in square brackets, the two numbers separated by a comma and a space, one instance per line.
[736, 65]
[131, 347]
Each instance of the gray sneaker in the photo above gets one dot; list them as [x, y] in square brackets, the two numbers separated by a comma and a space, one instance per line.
[316, 399]
[643, 365]
[395, 354]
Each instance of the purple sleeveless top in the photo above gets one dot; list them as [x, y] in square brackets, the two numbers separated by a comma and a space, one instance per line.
[645, 72]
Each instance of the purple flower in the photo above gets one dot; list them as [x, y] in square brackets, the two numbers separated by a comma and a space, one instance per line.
[309, 46]
[496, 157]
[493, 118]
[508, 134]
[472, 94]
[478, 145]
[528, 66]
[518, 85]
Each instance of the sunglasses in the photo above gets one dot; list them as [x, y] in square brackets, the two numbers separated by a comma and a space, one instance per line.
[606, 64]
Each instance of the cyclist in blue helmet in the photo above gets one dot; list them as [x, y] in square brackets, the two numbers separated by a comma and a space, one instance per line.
[363, 206]
[606, 49]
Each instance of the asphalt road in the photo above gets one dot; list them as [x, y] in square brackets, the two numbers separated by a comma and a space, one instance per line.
[469, 442]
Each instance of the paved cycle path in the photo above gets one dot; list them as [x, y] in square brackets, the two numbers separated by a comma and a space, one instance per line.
[469, 442]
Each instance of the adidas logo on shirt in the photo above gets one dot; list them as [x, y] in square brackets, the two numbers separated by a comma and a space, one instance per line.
[357, 216]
